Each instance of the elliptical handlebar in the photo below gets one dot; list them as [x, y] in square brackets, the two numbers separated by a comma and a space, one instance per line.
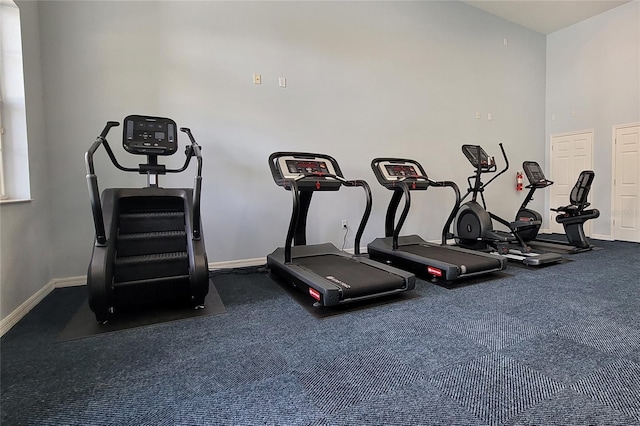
[506, 165]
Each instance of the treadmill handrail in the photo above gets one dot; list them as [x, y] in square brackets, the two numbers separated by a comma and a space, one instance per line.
[292, 184]
[405, 211]
[454, 211]
[367, 211]
[403, 184]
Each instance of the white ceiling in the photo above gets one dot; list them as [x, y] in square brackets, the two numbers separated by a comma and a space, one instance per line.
[545, 16]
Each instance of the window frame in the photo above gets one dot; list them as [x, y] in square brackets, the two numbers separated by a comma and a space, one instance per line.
[3, 194]
[15, 176]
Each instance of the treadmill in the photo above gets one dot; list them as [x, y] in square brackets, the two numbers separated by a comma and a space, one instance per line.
[431, 260]
[324, 272]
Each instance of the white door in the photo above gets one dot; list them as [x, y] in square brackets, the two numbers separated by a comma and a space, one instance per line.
[626, 183]
[571, 153]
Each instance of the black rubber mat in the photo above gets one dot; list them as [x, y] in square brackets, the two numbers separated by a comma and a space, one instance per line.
[83, 323]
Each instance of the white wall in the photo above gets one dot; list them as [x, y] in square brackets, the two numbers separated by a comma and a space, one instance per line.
[593, 68]
[364, 79]
[25, 228]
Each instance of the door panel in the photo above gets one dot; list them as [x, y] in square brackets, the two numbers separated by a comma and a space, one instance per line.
[571, 153]
[626, 183]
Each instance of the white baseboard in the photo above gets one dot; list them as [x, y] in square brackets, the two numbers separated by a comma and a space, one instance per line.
[12, 319]
[242, 263]
[601, 237]
[69, 281]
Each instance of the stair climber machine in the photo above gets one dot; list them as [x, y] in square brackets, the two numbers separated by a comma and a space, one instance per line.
[474, 224]
[148, 247]
[411, 252]
[572, 217]
[322, 271]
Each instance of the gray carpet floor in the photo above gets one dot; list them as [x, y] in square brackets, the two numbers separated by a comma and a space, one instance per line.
[558, 345]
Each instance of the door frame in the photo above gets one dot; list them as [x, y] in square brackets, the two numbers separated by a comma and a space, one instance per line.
[614, 130]
[547, 215]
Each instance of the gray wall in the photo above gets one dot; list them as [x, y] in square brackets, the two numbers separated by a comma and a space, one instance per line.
[593, 68]
[25, 228]
[365, 79]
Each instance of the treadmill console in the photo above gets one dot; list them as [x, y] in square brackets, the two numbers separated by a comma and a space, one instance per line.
[295, 167]
[146, 135]
[478, 157]
[310, 171]
[389, 171]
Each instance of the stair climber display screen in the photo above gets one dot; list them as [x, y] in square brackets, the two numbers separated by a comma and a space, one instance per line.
[144, 135]
[148, 249]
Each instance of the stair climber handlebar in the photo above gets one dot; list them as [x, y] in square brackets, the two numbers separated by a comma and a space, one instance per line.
[192, 150]
[92, 182]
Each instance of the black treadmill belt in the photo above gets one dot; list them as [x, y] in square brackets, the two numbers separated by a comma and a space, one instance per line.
[356, 279]
[472, 262]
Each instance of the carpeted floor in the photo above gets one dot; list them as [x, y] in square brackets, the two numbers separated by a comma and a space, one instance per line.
[558, 345]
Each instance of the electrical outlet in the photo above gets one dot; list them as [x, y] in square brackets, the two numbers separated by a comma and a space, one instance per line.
[345, 224]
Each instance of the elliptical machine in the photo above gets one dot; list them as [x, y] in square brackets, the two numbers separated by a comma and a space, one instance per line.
[148, 246]
[474, 224]
[572, 217]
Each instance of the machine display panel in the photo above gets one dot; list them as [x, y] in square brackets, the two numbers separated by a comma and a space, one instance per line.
[534, 172]
[149, 135]
[402, 170]
[471, 152]
[292, 167]
[395, 171]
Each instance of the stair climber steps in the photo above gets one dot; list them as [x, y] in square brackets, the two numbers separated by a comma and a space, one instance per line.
[132, 223]
[142, 243]
[131, 270]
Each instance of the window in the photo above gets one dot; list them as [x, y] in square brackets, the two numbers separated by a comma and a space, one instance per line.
[14, 159]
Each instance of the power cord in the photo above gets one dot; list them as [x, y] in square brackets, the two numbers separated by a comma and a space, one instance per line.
[344, 239]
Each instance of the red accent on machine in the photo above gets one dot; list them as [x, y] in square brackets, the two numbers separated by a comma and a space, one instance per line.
[434, 271]
[314, 293]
